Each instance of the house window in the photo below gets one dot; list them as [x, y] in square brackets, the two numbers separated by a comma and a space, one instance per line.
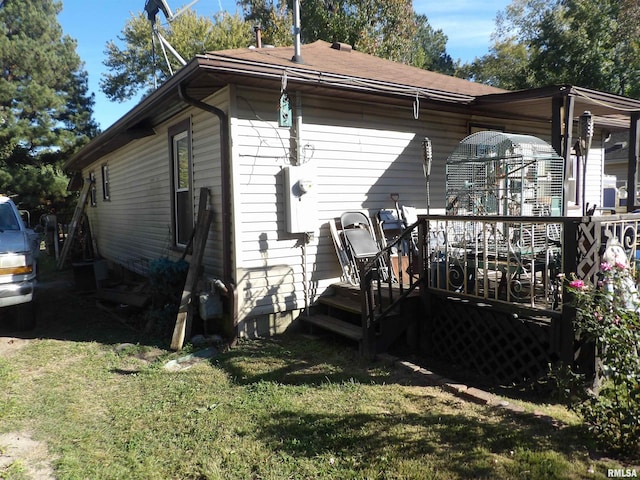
[182, 201]
[105, 182]
[92, 189]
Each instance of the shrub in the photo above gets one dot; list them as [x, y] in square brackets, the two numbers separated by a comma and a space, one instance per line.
[607, 316]
[166, 281]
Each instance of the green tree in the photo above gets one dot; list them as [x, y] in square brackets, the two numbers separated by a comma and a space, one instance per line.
[430, 48]
[385, 28]
[590, 43]
[132, 67]
[45, 107]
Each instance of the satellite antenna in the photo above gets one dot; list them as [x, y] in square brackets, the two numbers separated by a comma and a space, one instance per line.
[153, 8]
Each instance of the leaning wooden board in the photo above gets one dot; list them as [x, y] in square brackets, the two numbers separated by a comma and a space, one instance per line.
[184, 318]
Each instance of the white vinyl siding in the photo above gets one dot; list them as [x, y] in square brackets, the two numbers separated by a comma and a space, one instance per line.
[362, 154]
[135, 226]
[207, 173]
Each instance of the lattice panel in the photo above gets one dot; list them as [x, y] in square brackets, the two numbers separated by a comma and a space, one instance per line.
[589, 244]
[500, 349]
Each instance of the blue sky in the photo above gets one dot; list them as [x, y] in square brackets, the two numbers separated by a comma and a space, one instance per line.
[467, 23]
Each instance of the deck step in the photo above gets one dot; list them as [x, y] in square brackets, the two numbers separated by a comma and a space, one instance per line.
[342, 303]
[345, 329]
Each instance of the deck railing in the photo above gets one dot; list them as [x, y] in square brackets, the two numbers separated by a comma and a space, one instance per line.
[500, 259]
[517, 264]
[388, 278]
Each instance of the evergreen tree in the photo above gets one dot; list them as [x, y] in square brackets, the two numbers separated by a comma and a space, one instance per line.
[45, 107]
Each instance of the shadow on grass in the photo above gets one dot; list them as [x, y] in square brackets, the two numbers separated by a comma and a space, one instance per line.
[65, 313]
[468, 444]
[458, 442]
[294, 359]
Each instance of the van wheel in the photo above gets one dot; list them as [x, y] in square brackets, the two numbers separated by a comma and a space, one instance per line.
[24, 316]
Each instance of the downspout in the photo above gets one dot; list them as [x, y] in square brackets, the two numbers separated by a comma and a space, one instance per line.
[225, 173]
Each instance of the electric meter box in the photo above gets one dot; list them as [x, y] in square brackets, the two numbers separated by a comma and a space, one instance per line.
[300, 198]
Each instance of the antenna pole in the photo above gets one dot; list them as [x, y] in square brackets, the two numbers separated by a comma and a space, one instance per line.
[183, 9]
[297, 57]
[171, 49]
[153, 53]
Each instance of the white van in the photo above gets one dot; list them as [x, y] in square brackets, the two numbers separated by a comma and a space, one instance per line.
[19, 248]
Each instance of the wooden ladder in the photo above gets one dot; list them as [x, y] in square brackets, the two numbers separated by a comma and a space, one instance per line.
[75, 221]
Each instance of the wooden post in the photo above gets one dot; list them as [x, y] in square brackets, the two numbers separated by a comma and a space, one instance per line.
[185, 312]
[566, 333]
[368, 348]
[632, 184]
[427, 274]
[567, 145]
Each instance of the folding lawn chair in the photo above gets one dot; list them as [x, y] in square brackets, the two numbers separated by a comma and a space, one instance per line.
[360, 242]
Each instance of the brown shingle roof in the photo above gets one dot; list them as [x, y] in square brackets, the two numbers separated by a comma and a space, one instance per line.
[320, 57]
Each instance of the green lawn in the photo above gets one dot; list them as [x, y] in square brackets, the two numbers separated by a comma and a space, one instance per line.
[291, 407]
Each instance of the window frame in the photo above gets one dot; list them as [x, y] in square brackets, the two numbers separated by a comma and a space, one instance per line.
[179, 193]
[106, 190]
[93, 196]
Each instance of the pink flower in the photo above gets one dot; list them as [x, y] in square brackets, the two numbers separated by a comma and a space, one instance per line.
[576, 284]
[598, 316]
[605, 266]
[621, 266]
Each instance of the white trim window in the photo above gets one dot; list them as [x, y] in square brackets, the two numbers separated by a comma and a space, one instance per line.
[106, 194]
[93, 197]
[182, 198]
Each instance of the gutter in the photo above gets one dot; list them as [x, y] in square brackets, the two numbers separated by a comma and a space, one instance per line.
[225, 172]
[234, 66]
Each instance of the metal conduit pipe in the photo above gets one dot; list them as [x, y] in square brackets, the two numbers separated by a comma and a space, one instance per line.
[225, 173]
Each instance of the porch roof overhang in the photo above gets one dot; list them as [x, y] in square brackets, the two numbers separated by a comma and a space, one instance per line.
[610, 111]
[367, 80]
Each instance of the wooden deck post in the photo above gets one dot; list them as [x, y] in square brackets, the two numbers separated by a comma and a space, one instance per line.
[426, 323]
[368, 345]
[565, 331]
[634, 134]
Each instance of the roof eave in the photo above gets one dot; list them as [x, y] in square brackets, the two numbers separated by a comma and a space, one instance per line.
[225, 65]
[134, 124]
[139, 122]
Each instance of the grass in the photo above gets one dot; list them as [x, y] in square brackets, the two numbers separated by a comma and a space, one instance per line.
[285, 408]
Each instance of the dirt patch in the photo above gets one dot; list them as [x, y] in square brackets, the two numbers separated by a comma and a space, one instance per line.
[20, 453]
[10, 345]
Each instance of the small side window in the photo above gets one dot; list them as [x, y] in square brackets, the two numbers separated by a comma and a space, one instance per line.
[105, 183]
[92, 190]
[182, 197]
